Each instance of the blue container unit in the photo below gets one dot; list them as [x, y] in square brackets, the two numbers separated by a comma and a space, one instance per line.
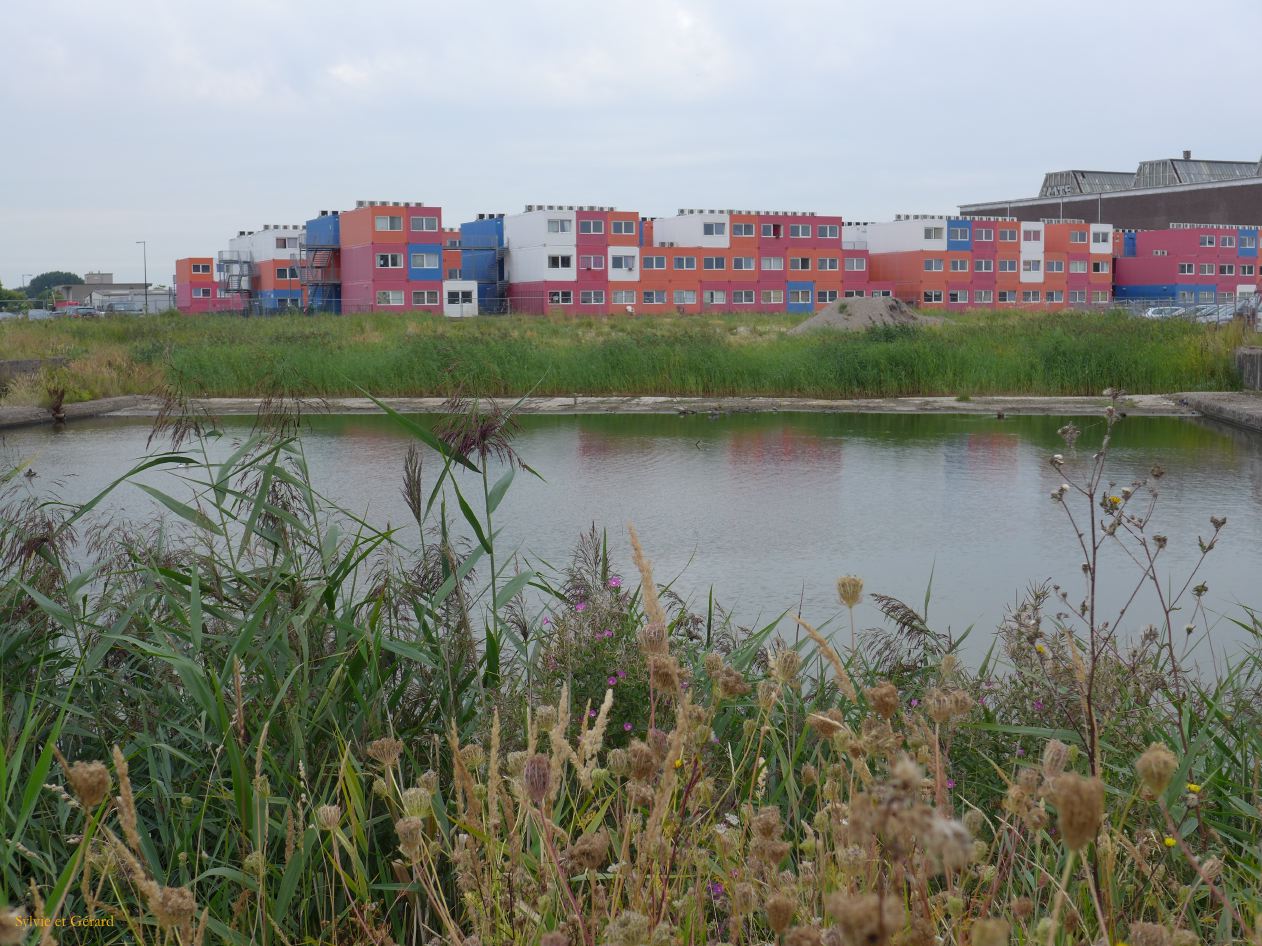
[322, 242]
[1129, 243]
[482, 260]
[273, 300]
[790, 288]
[425, 262]
[1247, 241]
[1183, 293]
[959, 244]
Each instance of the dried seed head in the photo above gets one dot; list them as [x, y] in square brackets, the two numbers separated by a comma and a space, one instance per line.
[90, 782]
[172, 906]
[804, 936]
[416, 802]
[884, 699]
[12, 927]
[826, 724]
[590, 852]
[1079, 805]
[641, 760]
[1022, 908]
[780, 910]
[386, 750]
[866, 919]
[939, 706]
[1184, 938]
[411, 832]
[664, 672]
[785, 666]
[1156, 767]
[1149, 934]
[990, 933]
[850, 590]
[328, 817]
[555, 938]
[743, 899]
[1055, 755]
[537, 777]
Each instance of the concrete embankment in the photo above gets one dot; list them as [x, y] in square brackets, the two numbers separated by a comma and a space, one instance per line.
[1241, 408]
[1141, 404]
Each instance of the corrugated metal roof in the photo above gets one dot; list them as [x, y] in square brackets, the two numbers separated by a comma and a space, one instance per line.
[1067, 183]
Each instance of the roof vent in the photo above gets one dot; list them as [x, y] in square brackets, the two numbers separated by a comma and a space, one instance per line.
[1187, 155]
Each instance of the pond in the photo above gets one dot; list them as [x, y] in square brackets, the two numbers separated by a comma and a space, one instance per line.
[769, 509]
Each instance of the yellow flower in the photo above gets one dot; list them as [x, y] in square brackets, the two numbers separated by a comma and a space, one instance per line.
[1115, 500]
[1193, 788]
[1039, 648]
[679, 763]
[1169, 841]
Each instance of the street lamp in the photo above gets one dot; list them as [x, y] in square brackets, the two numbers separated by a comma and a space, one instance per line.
[144, 249]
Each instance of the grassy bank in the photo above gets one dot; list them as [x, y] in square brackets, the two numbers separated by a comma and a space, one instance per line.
[398, 355]
[281, 725]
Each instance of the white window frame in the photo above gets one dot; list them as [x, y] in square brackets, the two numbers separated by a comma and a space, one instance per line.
[436, 257]
[799, 296]
[1100, 295]
[1031, 295]
[428, 224]
[202, 292]
[714, 297]
[560, 225]
[1007, 295]
[1077, 265]
[934, 233]
[825, 296]
[622, 261]
[713, 263]
[384, 223]
[1007, 266]
[983, 296]
[799, 231]
[959, 265]
[773, 231]
[983, 265]
[1077, 296]
[591, 261]
[684, 297]
[854, 293]
[856, 264]
[983, 235]
[424, 297]
[389, 261]
[800, 264]
[389, 296]
[622, 227]
[1007, 235]
[653, 297]
[771, 264]
[743, 263]
[1031, 266]
[1226, 269]
[742, 229]
[560, 261]
[932, 264]
[713, 228]
[828, 231]
[1207, 269]
[957, 296]
[652, 262]
[560, 297]
[684, 262]
[1227, 240]
[1054, 266]
[591, 297]
[772, 296]
[201, 269]
[1054, 295]
[1100, 266]
[460, 297]
[591, 226]
[623, 296]
[1077, 236]
[827, 264]
[957, 233]
[1208, 239]
[931, 296]
[743, 296]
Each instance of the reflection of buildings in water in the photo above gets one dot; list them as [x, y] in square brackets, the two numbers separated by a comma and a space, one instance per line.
[783, 445]
[993, 451]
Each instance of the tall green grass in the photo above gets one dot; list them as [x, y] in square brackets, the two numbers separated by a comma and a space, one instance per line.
[406, 355]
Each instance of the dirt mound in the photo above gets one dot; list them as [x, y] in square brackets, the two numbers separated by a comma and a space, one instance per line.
[855, 314]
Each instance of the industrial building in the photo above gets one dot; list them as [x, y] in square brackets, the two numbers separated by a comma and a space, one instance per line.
[1155, 194]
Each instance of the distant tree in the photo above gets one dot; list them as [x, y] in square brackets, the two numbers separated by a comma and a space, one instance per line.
[41, 286]
[10, 295]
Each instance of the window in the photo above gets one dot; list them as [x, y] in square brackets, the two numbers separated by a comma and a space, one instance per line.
[1160, 253]
[984, 235]
[623, 296]
[591, 262]
[1007, 266]
[714, 229]
[1100, 238]
[1055, 295]
[1247, 269]
[1207, 269]
[742, 262]
[1077, 296]
[685, 262]
[1186, 295]
[653, 262]
[826, 295]
[1207, 240]
[1031, 236]
[743, 296]
[1226, 269]
[933, 295]
[856, 264]
[560, 261]
[773, 297]
[1077, 265]
[1100, 266]
[390, 261]
[685, 297]
[592, 297]
[424, 224]
[958, 233]
[425, 261]
[286, 272]
[201, 269]
[623, 227]
[653, 297]
[453, 273]
[881, 293]
[983, 296]
[826, 264]
[385, 224]
[1248, 242]
[799, 297]
[591, 226]
[623, 262]
[1227, 241]
[1007, 236]
[390, 297]
[1007, 295]
[1030, 295]
[1100, 295]
[957, 295]
[201, 292]
[983, 265]
[933, 265]
[744, 230]
[714, 262]
[772, 262]
[714, 297]
[933, 233]
[772, 230]
[799, 262]
[561, 296]
[1077, 236]
[560, 225]
[798, 231]
[959, 266]
[854, 294]
[424, 297]
[828, 231]
[453, 244]
[1055, 266]
[460, 297]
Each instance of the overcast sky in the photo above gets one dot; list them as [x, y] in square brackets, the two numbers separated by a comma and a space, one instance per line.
[180, 123]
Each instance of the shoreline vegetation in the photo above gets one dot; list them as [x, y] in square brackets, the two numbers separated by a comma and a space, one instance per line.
[967, 355]
[280, 724]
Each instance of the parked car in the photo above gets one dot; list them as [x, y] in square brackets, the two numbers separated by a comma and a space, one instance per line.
[36, 315]
[80, 312]
[124, 308]
[1163, 312]
[6, 315]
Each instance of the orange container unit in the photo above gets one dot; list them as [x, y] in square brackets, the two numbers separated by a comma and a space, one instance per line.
[391, 222]
[624, 228]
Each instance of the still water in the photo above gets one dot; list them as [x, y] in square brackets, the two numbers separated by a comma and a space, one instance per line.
[770, 509]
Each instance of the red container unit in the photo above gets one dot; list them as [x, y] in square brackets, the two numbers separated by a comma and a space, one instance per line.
[1187, 264]
[197, 287]
[394, 257]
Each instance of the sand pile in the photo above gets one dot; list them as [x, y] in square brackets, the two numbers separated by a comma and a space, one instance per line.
[856, 314]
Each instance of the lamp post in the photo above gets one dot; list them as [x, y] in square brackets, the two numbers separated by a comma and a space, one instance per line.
[26, 280]
[144, 249]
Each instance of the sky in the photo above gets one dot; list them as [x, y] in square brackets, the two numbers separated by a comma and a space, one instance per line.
[180, 123]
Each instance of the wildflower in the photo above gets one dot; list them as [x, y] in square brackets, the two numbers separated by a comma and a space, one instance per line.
[626, 727]
[591, 714]
[621, 673]
[328, 816]
[615, 581]
[715, 889]
[546, 621]
[1020, 752]
[1038, 706]
[1194, 788]
[950, 783]
[1156, 767]
[780, 910]
[581, 607]
[90, 782]
[679, 763]
[1080, 808]
[1040, 649]
[1169, 841]
[613, 681]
